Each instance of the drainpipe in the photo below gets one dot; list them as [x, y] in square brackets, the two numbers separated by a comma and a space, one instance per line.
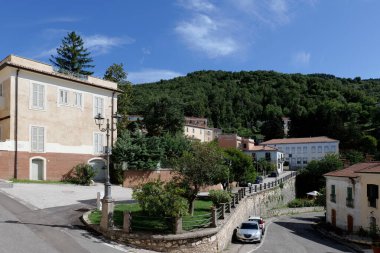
[16, 126]
[112, 113]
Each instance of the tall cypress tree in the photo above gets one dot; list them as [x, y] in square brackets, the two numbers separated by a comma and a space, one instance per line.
[72, 56]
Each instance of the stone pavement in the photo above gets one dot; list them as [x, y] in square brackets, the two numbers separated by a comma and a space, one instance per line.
[41, 196]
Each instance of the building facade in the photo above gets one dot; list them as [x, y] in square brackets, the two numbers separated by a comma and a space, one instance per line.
[300, 151]
[352, 197]
[197, 129]
[47, 120]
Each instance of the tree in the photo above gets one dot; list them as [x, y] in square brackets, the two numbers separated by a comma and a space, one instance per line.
[72, 56]
[164, 115]
[115, 73]
[241, 169]
[202, 166]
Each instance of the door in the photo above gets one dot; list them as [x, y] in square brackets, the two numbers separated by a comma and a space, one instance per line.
[99, 167]
[350, 223]
[333, 217]
[37, 170]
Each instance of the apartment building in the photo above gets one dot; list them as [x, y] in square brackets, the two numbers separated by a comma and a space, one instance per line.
[47, 120]
[352, 197]
[197, 129]
[300, 151]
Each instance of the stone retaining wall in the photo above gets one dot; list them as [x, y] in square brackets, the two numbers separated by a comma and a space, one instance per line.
[214, 239]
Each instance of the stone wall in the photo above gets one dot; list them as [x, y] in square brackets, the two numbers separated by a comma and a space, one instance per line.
[212, 239]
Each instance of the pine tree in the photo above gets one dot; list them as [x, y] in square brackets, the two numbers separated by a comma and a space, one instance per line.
[72, 56]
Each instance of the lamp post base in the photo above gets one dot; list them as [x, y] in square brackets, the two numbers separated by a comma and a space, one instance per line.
[107, 214]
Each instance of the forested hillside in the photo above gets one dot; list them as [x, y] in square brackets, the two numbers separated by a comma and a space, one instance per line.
[252, 103]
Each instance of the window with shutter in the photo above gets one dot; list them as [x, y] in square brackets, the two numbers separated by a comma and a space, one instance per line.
[38, 96]
[372, 194]
[37, 139]
[98, 143]
[98, 106]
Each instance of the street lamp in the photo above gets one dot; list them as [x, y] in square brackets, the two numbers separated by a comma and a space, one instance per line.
[108, 205]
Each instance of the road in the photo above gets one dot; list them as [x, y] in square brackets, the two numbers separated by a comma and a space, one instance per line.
[292, 234]
[49, 230]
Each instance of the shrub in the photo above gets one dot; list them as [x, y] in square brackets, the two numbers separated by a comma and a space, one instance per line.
[81, 174]
[301, 203]
[219, 196]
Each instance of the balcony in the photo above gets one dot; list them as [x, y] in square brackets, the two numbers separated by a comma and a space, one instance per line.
[333, 198]
[350, 203]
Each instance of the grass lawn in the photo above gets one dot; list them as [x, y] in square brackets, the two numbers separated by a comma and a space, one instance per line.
[142, 222]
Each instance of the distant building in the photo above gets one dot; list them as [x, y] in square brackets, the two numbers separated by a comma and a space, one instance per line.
[300, 151]
[197, 129]
[247, 145]
[286, 122]
[352, 196]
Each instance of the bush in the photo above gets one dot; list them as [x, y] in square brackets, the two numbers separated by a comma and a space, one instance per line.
[219, 196]
[116, 173]
[81, 174]
[301, 203]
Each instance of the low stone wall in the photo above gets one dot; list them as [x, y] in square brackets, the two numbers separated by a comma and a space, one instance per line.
[214, 239]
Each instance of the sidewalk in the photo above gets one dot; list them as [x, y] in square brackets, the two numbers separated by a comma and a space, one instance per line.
[40, 196]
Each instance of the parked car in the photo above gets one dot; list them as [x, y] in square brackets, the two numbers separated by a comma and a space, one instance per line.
[260, 221]
[249, 231]
[259, 180]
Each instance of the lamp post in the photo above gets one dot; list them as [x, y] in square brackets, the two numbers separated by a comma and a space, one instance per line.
[108, 205]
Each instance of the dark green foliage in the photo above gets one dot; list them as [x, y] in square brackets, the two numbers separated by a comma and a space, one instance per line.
[354, 156]
[241, 169]
[81, 174]
[72, 56]
[115, 73]
[321, 198]
[301, 203]
[250, 102]
[116, 174]
[219, 196]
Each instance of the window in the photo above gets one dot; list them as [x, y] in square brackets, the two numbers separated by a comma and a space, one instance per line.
[78, 99]
[313, 149]
[287, 150]
[98, 106]
[1, 90]
[293, 160]
[372, 194]
[298, 150]
[244, 145]
[304, 160]
[267, 156]
[293, 150]
[63, 97]
[98, 143]
[332, 148]
[319, 149]
[349, 199]
[332, 194]
[37, 139]
[208, 132]
[38, 96]
[326, 149]
[298, 160]
[304, 149]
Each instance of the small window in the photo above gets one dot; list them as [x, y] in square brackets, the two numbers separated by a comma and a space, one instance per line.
[208, 132]
[38, 96]
[332, 194]
[304, 160]
[1, 89]
[37, 139]
[293, 150]
[304, 149]
[78, 99]
[313, 149]
[63, 97]
[267, 156]
[332, 148]
[299, 160]
[98, 106]
[298, 150]
[372, 194]
[319, 149]
[287, 150]
[98, 143]
[326, 149]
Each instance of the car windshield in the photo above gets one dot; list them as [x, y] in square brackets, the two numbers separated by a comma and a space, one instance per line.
[249, 226]
[258, 220]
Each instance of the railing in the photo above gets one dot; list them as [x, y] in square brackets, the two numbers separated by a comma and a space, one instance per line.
[350, 202]
[198, 221]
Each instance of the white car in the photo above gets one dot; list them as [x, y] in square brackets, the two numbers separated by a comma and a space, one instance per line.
[260, 221]
[249, 231]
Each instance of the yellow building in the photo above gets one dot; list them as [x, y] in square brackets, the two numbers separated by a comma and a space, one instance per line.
[47, 119]
[352, 196]
[197, 129]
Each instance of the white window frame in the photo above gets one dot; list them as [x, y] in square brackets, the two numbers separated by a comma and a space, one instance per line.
[80, 95]
[40, 144]
[319, 149]
[96, 106]
[299, 150]
[313, 149]
[98, 143]
[63, 97]
[40, 103]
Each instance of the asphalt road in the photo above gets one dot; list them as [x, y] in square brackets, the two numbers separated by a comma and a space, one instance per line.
[49, 230]
[291, 234]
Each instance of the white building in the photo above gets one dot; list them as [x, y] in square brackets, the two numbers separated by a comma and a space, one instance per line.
[300, 151]
[270, 154]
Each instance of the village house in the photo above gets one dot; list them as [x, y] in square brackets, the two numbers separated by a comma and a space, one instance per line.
[47, 120]
[352, 196]
[197, 129]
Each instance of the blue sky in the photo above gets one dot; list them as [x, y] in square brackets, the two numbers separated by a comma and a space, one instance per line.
[164, 39]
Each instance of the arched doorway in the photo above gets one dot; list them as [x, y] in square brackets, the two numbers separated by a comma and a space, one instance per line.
[99, 167]
[37, 169]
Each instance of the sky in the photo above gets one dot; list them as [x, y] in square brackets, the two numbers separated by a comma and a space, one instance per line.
[163, 39]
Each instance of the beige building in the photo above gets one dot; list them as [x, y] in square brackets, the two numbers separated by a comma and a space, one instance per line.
[47, 119]
[352, 196]
[196, 128]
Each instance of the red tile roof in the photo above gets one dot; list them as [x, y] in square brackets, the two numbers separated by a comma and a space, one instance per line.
[352, 171]
[299, 140]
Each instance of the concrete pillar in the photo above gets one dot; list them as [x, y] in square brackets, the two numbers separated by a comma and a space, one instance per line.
[261, 187]
[228, 207]
[250, 189]
[107, 214]
[237, 198]
[233, 201]
[255, 187]
[177, 225]
[127, 222]
[214, 217]
[223, 210]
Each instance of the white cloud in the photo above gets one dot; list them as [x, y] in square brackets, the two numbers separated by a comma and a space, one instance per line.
[151, 75]
[45, 53]
[301, 58]
[101, 44]
[197, 5]
[204, 34]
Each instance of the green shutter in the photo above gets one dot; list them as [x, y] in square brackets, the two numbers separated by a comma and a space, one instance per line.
[349, 192]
